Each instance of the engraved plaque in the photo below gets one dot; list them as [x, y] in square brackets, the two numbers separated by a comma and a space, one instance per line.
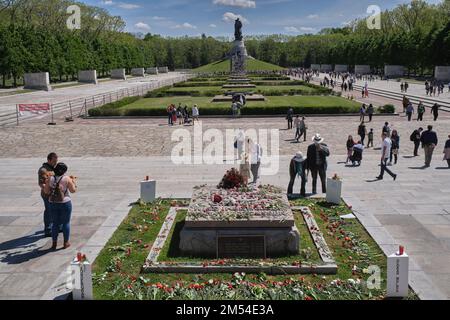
[250, 247]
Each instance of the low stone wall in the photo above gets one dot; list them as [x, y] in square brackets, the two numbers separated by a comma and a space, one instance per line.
[138, 72]
[341, 68]
[394, 71]
[442, 73]
[37, 81]
[118, 74]
[362, 69]
[152, 71]
[88, 76]
[326, 67]
[163, 69]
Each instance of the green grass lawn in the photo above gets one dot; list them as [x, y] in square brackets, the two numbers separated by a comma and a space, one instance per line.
[204, 90]
[252, 65]
[117, 269]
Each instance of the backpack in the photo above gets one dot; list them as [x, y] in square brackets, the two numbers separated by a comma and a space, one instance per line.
[413, 136]
[57, 194]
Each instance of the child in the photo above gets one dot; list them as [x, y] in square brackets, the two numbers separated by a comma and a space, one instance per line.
[370, 143]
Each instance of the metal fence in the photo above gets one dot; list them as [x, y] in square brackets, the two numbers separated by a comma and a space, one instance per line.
[80, 107]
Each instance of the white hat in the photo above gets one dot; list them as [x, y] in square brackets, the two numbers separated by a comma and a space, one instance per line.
[317, 138]
[299, 157]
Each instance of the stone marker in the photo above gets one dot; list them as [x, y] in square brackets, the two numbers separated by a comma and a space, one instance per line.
[334, 191]
[442, 73]
[315, 67]
[397, 275]
[326, 67]
[341, 68]
[138, 72]
[362, 69]
[88, 76]
[82, 280]
[148, 191]
[118, 74]
[37, 81]
[163, 69]
[394, 71]
[152, 71]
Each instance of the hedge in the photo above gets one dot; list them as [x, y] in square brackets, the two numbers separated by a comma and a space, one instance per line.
[112, 109]
[387, 108]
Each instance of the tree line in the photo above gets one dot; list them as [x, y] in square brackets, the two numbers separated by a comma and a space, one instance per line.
[34, 38]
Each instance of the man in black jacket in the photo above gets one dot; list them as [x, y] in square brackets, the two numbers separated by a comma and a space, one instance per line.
[45, 170]
[415, 137]
[429, 141]
[317, 162]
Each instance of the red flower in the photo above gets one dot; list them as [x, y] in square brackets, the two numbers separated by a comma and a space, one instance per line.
[308, 298]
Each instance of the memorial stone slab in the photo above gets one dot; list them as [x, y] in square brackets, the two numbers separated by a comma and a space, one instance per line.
[118, 74]
[442, 73]
[138, 72]
[88, 76]
[37, 81]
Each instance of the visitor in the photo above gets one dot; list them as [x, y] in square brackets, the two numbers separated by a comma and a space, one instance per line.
[406, 86]
[405, 103]
[420, 111]
[447, 151]
[415, 137]
[256, 155]
[429, 141]
[195, 114]
[239, 143]
[362, 112]
[435, 111]
[385, 152]
[349, 146]
[298, 127]
[386, 129]
[370, 136]
[409, 111]
[395, 139]
[169, 114]
[362, 131]
[370, 112]
[59, 188]
[289, 118]
[317, 162]
[298, 168]
[180, 115]
[357, 155]
[46, 170]
[402, 87]
[234, 109]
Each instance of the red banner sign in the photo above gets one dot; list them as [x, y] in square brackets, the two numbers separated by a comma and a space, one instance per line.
[38, 108]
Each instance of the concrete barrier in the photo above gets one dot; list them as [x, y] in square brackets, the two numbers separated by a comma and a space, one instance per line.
[163, 69]
[341, 68]
[88, 76]
[138, 72]
[152, 70]
[315, 67]
[394, 71]
[326, 67]
[118, 74]
[442, 73]
[37, 81]
[362, 69]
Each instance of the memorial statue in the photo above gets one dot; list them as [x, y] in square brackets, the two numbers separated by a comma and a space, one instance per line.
[238, 30]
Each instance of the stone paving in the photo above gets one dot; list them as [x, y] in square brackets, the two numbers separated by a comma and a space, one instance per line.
[111, 156]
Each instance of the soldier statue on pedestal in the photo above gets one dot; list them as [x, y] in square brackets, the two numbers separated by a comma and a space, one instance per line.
[238, 30]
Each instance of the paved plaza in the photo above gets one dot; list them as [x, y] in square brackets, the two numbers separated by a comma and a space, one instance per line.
[110, 157]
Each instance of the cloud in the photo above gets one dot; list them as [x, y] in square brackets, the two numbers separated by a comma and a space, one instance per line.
[159, 18]
[185, 25]
[212, 25]
[291, 29]
[236, 3]
[107, 2]
[313, 16]
[308, 29]
[128, 6]
[142, 26]
[231, 17]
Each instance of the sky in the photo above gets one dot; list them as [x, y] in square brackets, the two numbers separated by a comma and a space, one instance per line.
[260, 17]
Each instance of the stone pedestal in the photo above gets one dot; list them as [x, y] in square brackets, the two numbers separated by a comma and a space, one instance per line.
[442, 73]
[148, 191]
[341, 68]
[362, 69]
[253, 224]
[394, 71]
[37, 81]
[397, 276]
[81, 280]
[334, 191]
[118, 74]
[326, 68]
[238, 58]
[152, 71]
[163, 69]
[138, 72]
[88, 76]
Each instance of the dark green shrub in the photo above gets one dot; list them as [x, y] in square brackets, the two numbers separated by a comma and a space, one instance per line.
[387, 108]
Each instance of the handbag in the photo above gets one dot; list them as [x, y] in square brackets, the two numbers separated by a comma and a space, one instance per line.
[235, 144]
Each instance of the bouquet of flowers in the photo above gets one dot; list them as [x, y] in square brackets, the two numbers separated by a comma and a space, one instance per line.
[232, 179]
